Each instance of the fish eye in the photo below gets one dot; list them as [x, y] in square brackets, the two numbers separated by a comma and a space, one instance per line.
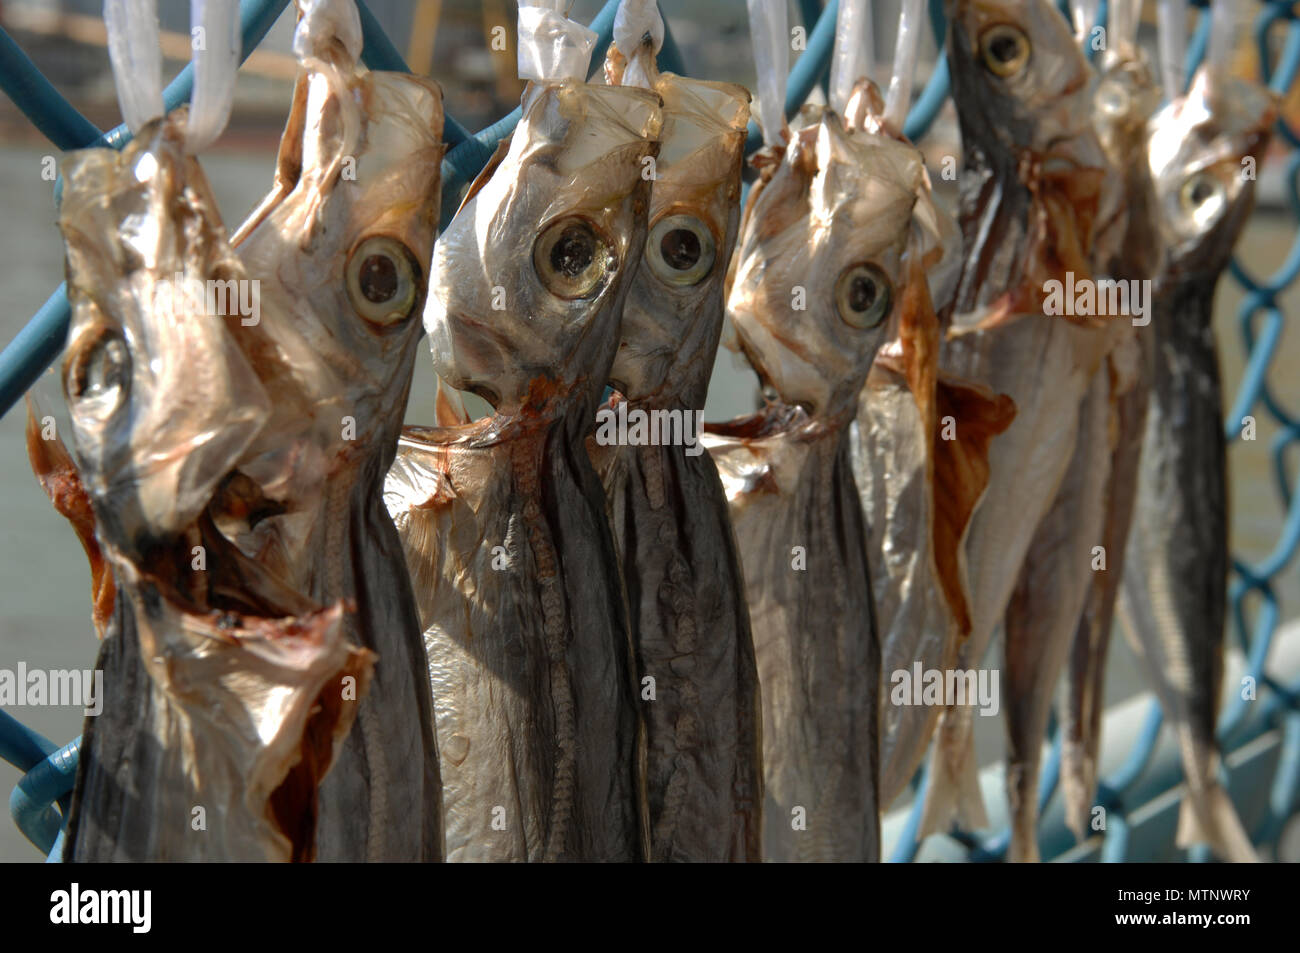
[863, 296]
[1200, 189]
[99, 374]
[680, 250]
[572, 258]
[383, 280]
[1202, 197]
[1005, 49]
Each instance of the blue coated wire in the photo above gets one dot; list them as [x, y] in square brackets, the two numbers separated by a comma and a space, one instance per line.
[39, 101]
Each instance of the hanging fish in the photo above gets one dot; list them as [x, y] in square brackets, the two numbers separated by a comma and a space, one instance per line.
[223, 711]
[686, 598]
[919, 447]
[339, 247]
[1173, 606]
[1037, 207]
[1127, 94]
[503, 520]
[816, 277]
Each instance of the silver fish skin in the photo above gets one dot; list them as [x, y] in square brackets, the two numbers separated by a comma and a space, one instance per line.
[830, 220]
[1127, 95]
[219, 678]
[1038, 202]
[340, 247]
[686, 596]
[503, 520]
[1173, 603]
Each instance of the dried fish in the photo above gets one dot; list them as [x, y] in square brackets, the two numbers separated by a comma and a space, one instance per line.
[1127, 95]
[1037, 206]
[920, 446]
[224, 710]
[503, 520]
[825, 230]
[686, 597]
[339, 248]
[1173, 604]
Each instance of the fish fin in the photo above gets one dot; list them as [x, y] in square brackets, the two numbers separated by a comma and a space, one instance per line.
[481, 179]
[288, 162]
[961, 474]
[57, 473]
[1225, 834]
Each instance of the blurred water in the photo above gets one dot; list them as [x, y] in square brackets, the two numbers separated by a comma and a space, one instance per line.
[44, 581]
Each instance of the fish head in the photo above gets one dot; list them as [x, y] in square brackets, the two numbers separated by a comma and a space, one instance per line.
[531, 273]
[673, 313]
[1038, 196]
[1126, 97]
[340, 247]
[1203, 149]
[819, 264]
[162, 401]
[1019, 81]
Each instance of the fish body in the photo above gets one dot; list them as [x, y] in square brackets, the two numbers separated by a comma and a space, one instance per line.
[1173, 604]
[686, 596]
[339, 247]
[503, 520]
[1037, 205]
[1127, 95]
[223, 711]
[829, 221]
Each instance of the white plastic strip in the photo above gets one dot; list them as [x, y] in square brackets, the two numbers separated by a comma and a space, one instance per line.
[134, 51]
[1171, 18]
[552, 48]
[1123, 29]
[854, 53]
[214, 31]
[633, 20]
[1223, 34]
[899, 97]
[769, 27]
[1084, 13]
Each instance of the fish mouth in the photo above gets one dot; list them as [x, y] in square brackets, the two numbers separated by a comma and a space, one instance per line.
[202, 571]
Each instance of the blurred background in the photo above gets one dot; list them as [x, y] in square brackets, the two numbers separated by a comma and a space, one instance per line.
[44, 581]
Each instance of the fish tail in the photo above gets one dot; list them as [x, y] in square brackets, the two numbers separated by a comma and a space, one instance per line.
[1082, 729]
[954, 790]
[1078, 785]
[1224, 832]
[1022, 797]
[1207, 815]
